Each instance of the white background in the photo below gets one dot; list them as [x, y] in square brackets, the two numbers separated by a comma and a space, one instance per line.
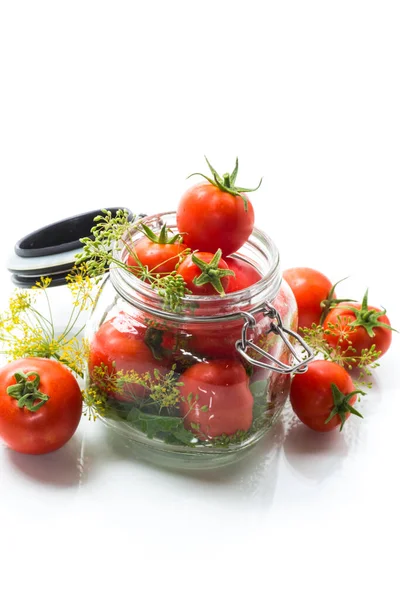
[115, 103]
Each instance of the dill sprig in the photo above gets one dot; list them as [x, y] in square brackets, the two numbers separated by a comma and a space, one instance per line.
[26, 331]
[162, 390]
[114, 232]
[362, 364]
[97, 252]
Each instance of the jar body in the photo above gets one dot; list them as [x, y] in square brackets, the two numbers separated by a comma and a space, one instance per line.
[175, 385]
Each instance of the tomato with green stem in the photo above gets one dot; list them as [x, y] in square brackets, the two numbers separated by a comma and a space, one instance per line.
[216, 399]
[314, 294]
[216, 214]
[356, 328]
[159, 254]
[323, 397]
[205, 274]
[40, 405]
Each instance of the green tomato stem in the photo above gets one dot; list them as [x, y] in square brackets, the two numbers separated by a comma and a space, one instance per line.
[211, 273]
[341, 405]
[226, 183]
[27, 392]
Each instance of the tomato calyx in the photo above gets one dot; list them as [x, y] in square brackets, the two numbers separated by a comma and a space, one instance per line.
[368, 317]
[163, 237]
[211, 273]
[330, 301]
[226, 183]
[27, 392]
[341, 405]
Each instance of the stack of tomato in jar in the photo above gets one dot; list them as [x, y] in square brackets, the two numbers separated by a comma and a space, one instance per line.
[214, 219]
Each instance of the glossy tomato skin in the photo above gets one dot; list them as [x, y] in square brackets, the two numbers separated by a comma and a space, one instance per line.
[159, 258]
[189, 271]
[218, 400]
[214, 341]
[120, 345]
[339, 331]
[311, 394]
[54, 423]
[209, 218]
[310, 288]
[245, 274]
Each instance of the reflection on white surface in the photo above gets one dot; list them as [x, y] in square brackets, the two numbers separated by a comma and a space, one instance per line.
[63, 468]
[95, 449]
[313, 455]
[252, 477]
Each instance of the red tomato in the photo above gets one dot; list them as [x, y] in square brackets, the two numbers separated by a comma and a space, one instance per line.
[159, 253]
[50, 412]
[285, 303]
[216, 214]
[216, 340]
[119, 344]
[310, 288]
[218, 400]
[245, 274]
[159, 258]
[317, 404]
[205, 274]
[356, 327]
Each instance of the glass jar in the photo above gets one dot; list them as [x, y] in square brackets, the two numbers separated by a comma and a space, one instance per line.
[198, 386]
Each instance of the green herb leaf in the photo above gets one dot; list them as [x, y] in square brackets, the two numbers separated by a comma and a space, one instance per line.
[159, 426]
[259, 389]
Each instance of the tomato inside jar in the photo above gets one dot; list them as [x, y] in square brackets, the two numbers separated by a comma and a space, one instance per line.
[173, 379]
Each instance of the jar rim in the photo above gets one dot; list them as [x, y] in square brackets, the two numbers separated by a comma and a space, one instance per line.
[142, 295]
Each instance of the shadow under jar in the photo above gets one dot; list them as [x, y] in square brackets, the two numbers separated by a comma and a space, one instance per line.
[196, 387]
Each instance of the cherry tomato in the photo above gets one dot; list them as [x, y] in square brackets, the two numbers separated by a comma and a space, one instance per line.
[323, 396]
[159, 253]
[215, 340]
[218, 400]
[40, 405]
[310, 288]
[205, 274]
[119, 344]
[245, 274]
[285, 304]
[356, 327]
[216, 214]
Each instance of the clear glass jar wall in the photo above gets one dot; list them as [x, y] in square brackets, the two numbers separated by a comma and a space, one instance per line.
[174, 382]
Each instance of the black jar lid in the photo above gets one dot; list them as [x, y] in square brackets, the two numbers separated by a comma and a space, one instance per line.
[51, 250]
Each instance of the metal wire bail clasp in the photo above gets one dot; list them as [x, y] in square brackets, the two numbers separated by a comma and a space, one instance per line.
[276, 326]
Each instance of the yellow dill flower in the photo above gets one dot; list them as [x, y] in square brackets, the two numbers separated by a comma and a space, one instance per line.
[28, 342]
[165, 389]
[42, 284]
[19, 303]
[74, 354]
[81, 286]
[6, 325]
[53, 347]
[94, 403]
